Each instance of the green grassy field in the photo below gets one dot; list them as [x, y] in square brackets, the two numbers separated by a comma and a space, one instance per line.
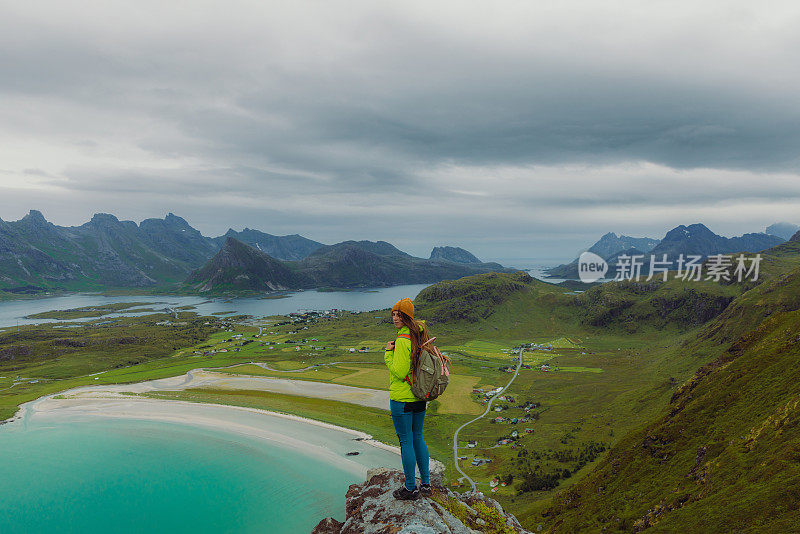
[43, 359]
[93, 311]
[326, 373]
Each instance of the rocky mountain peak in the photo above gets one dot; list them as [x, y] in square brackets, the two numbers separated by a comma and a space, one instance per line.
[456, 254]
[796, 237]
[234, 252]
[682, 232]
[35, 218]
[174, 220]
[103, 218]
[784, 230]
[371, 509]
[231, 244]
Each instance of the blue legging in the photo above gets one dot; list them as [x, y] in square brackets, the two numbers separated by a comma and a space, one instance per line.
[413, 450]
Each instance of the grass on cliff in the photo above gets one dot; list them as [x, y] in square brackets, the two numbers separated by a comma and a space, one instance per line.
[725, 454]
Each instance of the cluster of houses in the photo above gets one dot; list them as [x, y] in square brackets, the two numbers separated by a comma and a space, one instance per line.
[310, 316]
[160, 323]
[510, 368]
[495, 482]
[506, 441]
[513, 439]
[214, 351]
[486, 394]
[238, 338]
[527, 407]
[511, 420]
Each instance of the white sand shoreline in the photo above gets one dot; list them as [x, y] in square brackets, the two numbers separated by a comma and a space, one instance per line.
[311, 437]
[201, 377]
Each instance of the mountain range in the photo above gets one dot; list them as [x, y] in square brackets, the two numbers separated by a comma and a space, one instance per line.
[694, 239]
[107, 253]
[238, 266]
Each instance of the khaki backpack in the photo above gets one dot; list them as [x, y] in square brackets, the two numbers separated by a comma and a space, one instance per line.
[432, 374]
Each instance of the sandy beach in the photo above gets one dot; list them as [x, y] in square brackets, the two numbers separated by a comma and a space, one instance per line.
[325, 441]
[314, 438]
[196, 378]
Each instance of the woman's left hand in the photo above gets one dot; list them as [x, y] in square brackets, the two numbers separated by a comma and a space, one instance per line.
[390, 345]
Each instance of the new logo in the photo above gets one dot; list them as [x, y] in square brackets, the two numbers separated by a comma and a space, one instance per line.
[591, 267]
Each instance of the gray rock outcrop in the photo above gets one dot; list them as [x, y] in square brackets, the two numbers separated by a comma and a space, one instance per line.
[372, 509]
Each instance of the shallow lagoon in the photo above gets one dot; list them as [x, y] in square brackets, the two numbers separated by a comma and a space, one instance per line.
[129, 476]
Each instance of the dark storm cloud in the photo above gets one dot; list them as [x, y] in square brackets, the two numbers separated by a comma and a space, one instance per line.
[299, 115]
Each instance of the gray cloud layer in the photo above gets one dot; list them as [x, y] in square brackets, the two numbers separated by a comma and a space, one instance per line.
[417, 122]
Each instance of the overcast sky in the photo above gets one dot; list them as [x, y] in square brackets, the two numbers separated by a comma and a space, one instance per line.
[514, 129]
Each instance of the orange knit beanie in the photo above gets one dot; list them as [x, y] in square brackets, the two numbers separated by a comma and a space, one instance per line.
[404, 305]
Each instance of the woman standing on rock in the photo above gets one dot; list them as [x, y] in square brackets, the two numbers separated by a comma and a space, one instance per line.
[408, 412]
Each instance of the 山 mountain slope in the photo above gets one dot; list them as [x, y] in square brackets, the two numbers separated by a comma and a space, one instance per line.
[784, 230]
[288, 247]
[363, 263]
[723, 456]
[697, 239]
[456, 254]
[241, 267]
[611, 243]
[347, 264]
[692, 240]
[608, 247]
[105, 252]
[173, 237]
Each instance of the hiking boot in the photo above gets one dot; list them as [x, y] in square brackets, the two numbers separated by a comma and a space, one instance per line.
[404, 495]
[425, 490]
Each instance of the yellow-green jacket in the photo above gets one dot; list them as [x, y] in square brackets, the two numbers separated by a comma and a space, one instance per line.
[399, 363]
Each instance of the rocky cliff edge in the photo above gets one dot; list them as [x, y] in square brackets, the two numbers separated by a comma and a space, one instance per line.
[371, 509]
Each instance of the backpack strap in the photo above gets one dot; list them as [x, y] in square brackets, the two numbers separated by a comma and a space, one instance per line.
[408, 337]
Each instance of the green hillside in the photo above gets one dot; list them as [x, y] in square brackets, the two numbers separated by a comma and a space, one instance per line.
[724, 453]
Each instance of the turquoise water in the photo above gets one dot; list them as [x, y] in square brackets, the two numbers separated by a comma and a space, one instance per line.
[126, 476]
